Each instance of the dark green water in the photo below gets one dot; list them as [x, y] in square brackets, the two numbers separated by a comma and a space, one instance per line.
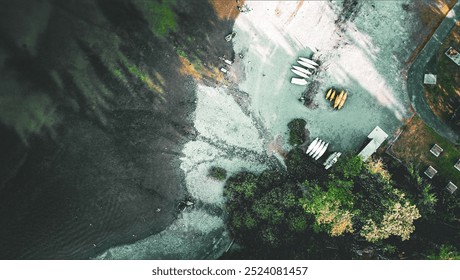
[93, 113]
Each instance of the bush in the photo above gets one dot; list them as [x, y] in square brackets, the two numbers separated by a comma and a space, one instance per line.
[217, 173]
[350, 166]
[297, 131]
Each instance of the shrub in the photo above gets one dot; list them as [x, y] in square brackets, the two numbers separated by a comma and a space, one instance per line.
[217, 173]
[297, 131]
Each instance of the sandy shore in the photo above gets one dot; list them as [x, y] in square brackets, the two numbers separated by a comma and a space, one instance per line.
[363, 56]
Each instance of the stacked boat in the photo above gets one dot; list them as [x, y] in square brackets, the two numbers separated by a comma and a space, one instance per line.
[317, 148]
[337, 100]
[303, 72]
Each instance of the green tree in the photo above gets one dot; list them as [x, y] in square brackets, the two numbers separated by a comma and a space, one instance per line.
[427, 201]
[300, 167]
[297, 223]
[446, 252]
[350, 166]
[262, 211]
[241, 186]
[270, 179]
[297, 131]
[332, 209]
[397, 220]
[376, 166]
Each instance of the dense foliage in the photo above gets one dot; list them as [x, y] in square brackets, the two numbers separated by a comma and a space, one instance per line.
[354, 198]
[217, 173]
[332, 209]
[354, 205]
[446, 252]
[297, 131]
[263, 209]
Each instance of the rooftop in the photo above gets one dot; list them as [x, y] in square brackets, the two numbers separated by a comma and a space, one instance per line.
[451, 187]
[430, 172]
[457, 165]
[453, 55]
[429, 79]
[377, 137]
[436, 150]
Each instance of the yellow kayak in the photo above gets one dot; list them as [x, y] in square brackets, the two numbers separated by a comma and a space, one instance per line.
[338, 99]
[342, 101]
[328, 93]
[332, 95]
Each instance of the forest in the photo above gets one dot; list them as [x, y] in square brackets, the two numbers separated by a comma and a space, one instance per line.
[355, 210]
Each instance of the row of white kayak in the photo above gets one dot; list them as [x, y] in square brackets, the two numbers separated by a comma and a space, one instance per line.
[317, 148]
[303, 72]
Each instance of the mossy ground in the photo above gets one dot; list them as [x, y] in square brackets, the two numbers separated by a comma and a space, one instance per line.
[413, 148]
[444, 97]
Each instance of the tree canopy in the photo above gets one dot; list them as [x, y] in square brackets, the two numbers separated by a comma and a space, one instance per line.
[355, 204]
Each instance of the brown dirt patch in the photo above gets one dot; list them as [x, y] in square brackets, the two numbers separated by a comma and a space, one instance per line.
[226, 9]
[413, 147]
[413, 143]
[198, 71]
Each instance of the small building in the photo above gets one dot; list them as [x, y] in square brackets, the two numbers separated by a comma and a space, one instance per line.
[454, 55]
[430, 172]
[457, 165]
[375, 139]
[436, 150]
[451, 187]
[429, 79]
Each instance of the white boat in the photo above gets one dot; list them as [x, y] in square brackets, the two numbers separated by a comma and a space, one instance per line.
[319, 143]
[312, 144]
[301, 69]
[309, 61]
[230, 36]
[303, 75]
[331, 160]
[321, 153]
[303, 63]
[319, 149]
[300, 82]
